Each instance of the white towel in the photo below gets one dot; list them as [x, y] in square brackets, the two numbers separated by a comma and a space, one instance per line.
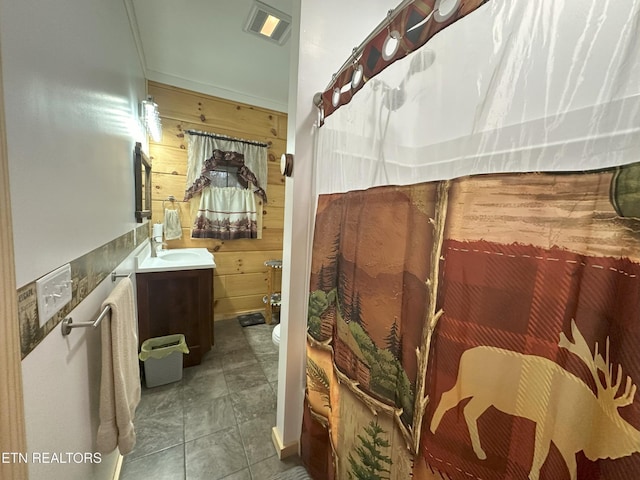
[172, 226]
[120, 381]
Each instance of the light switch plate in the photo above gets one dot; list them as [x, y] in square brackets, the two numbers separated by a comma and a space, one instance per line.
[53, 292]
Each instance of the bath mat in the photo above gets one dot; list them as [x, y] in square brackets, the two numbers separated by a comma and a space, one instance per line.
[296, 473]
[251, 319]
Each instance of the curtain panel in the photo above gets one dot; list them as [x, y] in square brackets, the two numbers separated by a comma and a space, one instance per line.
[201, 146]
[226, 210]
[220, 160]
[226, 214]
[474, 299]
[520, 294]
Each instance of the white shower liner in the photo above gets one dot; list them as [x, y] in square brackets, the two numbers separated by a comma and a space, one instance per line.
[552, 85]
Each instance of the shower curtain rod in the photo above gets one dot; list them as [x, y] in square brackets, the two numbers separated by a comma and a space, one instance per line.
[410, 25]
[225, 137]
[358, 50]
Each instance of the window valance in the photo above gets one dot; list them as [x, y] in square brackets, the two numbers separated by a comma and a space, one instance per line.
[224, 176]
[219, 160]
[201, 147]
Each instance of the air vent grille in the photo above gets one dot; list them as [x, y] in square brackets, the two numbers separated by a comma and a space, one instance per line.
[258, 21]
[281, 30]
[260, 17]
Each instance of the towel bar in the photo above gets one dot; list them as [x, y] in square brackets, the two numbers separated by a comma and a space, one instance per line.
[115, 275]
[67, 323]
[170, 198]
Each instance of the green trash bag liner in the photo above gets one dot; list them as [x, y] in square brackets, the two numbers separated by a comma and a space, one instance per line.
[160, 347]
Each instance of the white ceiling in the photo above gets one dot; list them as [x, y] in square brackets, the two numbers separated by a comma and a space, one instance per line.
[200, 45]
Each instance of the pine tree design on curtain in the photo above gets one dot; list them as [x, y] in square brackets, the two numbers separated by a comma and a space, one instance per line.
[322, 312]
[356, 314]
[394, 341]
[319, 381]
[371, 463]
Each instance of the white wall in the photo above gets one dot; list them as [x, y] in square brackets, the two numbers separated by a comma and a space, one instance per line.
[61, 390]
[328, 32]
[72, 81]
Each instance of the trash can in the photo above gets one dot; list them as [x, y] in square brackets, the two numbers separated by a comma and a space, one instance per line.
[162, 357]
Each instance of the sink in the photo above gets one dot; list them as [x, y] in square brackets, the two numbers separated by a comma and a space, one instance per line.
[174, 259]
[178, 256]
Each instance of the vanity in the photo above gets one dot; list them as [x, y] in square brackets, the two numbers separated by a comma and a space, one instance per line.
[175, 295]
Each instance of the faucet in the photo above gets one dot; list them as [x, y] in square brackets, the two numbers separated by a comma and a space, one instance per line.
[154, 246]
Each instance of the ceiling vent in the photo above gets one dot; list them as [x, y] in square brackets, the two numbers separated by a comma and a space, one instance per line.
[268, 23]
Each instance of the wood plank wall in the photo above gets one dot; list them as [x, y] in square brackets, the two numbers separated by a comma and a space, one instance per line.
[240, 280]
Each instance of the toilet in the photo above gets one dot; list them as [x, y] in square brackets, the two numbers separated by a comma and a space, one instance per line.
[275, 335]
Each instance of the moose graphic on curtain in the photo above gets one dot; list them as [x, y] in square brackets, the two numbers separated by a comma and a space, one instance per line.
[511, 382]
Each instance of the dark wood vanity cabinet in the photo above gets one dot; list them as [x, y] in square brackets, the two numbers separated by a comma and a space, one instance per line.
[177, 302]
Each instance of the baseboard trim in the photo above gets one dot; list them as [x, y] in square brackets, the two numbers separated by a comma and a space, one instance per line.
[116, 473]
[284, 451]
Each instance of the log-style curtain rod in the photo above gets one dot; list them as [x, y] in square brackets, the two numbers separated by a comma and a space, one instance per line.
[224, 137]
[407, 27]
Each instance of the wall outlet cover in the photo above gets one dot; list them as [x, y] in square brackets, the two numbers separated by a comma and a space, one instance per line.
[53, 292]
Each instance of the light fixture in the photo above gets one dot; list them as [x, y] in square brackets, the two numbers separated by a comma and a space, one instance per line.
[151, 118]
[268, 23]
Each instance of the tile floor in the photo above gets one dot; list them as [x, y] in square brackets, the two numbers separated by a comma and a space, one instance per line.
[216, 422]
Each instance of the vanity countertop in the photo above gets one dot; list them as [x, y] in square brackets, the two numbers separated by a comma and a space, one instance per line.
[174, 259]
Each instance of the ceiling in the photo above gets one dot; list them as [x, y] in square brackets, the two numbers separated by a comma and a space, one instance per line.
[200, 45]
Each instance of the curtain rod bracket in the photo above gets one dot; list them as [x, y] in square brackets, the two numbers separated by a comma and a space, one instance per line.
[317, 99]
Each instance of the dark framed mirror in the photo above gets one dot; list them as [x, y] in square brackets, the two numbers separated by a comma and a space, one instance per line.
[142, 176]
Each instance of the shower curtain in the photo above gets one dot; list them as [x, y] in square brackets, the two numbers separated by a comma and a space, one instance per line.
[474, 304]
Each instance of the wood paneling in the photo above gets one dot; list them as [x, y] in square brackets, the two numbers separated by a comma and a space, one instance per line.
[168, 160]
[215, 114]
[271, 240]
[250, 283]
[165, 185]
[229, 306]
[273, 217]
[229, 263]
[240, 277]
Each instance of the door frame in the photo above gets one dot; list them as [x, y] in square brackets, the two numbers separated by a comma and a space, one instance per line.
[12, 425]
